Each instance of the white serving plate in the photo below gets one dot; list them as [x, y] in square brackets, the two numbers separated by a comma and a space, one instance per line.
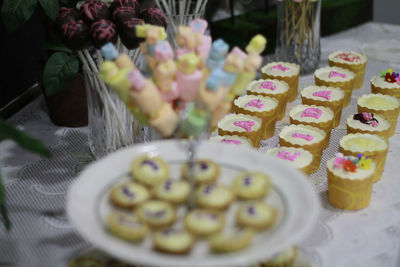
[292, 194]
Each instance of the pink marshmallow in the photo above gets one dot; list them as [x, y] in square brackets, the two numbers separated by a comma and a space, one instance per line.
[239, 52]
[198, 25]
[188, 84]
[181, 51]
[172, 94]
[137, 79]
[163, 52]
[204, 49]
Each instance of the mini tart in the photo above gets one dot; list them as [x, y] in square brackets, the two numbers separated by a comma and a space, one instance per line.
[307, 137]
[258, 215]
[283, 71]
[173, 191]
[340, 78]
[205, 171]
[370, 145]
[216, 197]
[385, 105]
[231, 240]
[128, 195]
[272, 88]
[349, 190]
[379, 125]
[316, 116]
[173, 241]
[352, 61]
[204, 222]
[299, 158]
[126, 226]
[251, 185]
[380, 86]
[285, 258]
[156, 213]
[329, 97]
[150, 170]
[241, 125]
[263, 107]
[232, 139]
[86, 261]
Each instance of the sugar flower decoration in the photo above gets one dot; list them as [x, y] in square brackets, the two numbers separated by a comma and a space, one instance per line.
[365, 163]
[391, 76]
[350, 166]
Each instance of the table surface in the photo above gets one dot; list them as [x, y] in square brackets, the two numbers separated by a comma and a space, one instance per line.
[36, 187]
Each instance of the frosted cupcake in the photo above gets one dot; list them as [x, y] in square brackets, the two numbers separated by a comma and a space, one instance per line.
[329, 97]
[283, 71]
[241, 125]
[350, 181]
[316, 116]
[272, 88]
[263, 107]
[306, 137]
[385, 105]
[369, 123]
[336, 77]
[370, 145]
[351, 61]
[232, 139]
[388, 83]
[299, 158]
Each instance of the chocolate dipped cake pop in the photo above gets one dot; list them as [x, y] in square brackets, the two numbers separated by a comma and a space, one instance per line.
[133, 4]
[66, 14]
[102, 32]
[124, 13]
[94, 10]
[127, 32]
[153, 16]
[75, 34]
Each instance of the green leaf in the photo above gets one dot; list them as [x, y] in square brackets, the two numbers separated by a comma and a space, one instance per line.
[56, 46]
[59, 71]
[16, 12]
[3, 208]
[50, 7]
[9, 131]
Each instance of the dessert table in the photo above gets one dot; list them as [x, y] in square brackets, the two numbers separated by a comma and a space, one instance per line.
[36, 187]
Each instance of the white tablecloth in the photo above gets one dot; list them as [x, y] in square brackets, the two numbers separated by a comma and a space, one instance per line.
[36, 187]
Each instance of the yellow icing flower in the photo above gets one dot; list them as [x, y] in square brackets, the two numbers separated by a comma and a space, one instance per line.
[390, 71]
[365, 163]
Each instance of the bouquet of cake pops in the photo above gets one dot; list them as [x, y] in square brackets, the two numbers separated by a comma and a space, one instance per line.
[186, 91]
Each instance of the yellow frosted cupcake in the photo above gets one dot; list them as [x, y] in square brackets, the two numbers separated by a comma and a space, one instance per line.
[370, 145]
[232, 139]
[385, 105]
[241, 125]
[329, 97]
[283, 71]
[336, 77]
[351, 61]
[263, 107]
[299, 158]
[388, 83]
[350, 181]
[306, 137]
[272, 88]
[316, 116]
[369, 123]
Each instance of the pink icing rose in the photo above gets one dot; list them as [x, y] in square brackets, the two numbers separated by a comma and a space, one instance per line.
[306, 137]
[323, 94]
[268, 85]
[312, 112]
[257, 103]
[349, 57]
[287, 155]
[280, 67]
[231, 141]
[246, 125]
[333, 74]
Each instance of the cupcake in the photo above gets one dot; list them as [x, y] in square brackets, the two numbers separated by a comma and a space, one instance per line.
[272, 88]
[370, 145]
[336, 77]
[306, 137]
[370, 123]
[351, 61]
[388, 83]
[316, 116]
[282, 259]
[329, 97]
[350, 181]
[232, 139]
[283, 71]
[299, 158]
[241, 125]
[385, 105]
[263, 107]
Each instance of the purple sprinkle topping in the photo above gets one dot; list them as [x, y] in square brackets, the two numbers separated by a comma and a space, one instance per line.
[128, 193]
[247, 180]
[250, 210]
[208, 189]
[203, 166]
[151, 163]
[167, 185]
[156, 214]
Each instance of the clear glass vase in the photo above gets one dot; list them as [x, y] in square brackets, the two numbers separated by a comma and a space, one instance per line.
[298, 33]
